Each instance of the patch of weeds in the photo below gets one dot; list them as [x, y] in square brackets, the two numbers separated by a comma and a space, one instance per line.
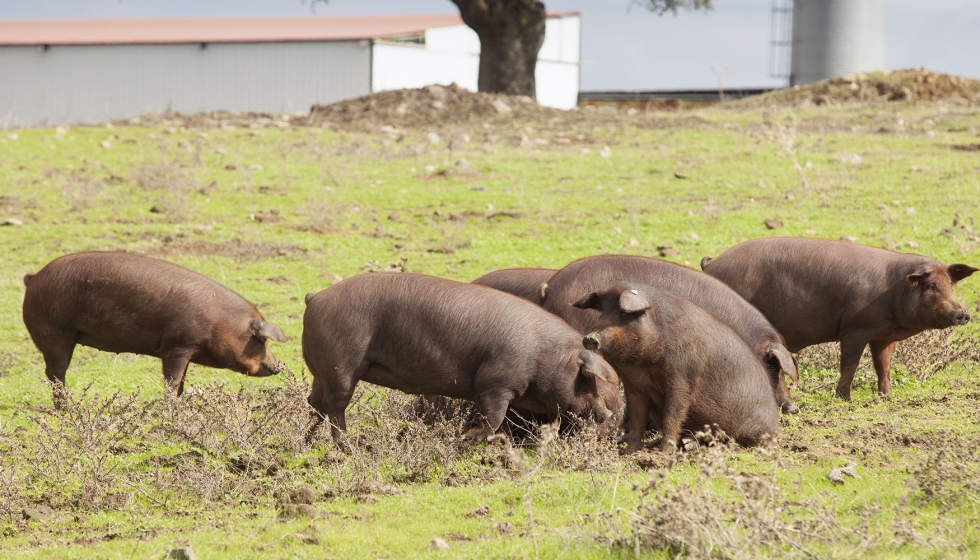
[171, 182]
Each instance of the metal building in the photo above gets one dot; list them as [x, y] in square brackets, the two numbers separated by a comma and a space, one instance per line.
[83, 71]
[832, 38]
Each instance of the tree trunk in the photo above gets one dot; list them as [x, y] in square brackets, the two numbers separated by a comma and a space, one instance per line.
[511, 33]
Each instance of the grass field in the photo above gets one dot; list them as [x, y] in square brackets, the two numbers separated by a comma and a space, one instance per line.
[276, 212]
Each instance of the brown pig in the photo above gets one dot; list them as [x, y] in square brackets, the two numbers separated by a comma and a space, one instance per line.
[682, 364]
[592, 273]
[119, 302]
[528, 283]
[815, 291]
[425, 335]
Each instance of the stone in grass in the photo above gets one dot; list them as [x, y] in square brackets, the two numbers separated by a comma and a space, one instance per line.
[438, 544]
[304, 494]
[182, 553]
[773, 223]
[837, 475]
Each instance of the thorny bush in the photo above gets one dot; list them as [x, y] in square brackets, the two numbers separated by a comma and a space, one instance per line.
[218, 445]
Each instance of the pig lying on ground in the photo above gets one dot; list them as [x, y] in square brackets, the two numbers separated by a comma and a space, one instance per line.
[426, 335]
[814, 291]
[679, 362]
[592, 273]
[528, 283]
[118, 302]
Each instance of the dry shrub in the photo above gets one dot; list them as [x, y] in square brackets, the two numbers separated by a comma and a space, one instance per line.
[922, 355]
[752, 517]
[933, 351]
[75, 455]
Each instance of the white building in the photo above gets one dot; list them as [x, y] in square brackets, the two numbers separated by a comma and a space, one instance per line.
[81, 71]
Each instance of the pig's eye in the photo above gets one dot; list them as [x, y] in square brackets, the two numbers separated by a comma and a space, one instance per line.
[932, 287]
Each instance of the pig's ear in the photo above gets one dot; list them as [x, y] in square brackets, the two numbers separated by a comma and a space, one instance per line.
[958, 272]
[591, 301]
[632, 301]
[593, 366]
[266, 330]
[919, 273]
[786, 361]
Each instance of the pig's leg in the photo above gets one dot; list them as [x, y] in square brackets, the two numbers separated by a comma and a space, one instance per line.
[639, 408]
[337, 393]
[57, 351]
[881, 356]
[174, 369]
[676, 403]
[318, 413]
[850, 357]
[493, 406]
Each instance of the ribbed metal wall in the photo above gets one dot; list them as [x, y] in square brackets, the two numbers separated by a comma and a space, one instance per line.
[832, 38]
[90, 83]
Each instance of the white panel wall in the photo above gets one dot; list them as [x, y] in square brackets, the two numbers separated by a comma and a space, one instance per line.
[452, 54]
[404, 65]
[91, 83]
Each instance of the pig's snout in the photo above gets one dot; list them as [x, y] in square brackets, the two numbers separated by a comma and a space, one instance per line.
[591, 342]
[270, 366]
[600, 413]
[961, 317]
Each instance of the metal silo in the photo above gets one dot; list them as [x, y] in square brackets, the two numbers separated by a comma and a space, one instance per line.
[832, 38]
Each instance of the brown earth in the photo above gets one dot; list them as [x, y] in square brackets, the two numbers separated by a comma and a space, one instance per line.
[916, 84]
[430, 105]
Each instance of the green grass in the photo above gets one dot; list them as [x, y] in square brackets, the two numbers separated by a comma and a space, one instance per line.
[346, 199]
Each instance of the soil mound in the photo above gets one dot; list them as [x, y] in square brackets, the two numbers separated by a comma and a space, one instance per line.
[433, 104]
[915, 84]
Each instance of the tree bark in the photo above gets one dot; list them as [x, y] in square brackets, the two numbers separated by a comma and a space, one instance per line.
[511, 34]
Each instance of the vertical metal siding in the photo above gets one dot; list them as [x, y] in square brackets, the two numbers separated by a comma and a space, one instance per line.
[836, 37]
[90, 83]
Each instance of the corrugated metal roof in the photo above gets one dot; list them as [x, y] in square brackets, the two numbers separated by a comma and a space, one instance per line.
[216, 30]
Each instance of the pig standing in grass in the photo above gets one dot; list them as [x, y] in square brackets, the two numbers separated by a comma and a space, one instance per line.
[528, 283]
[815, 291]
[592, 273]
[682, 364]
[118, 302]
[425, 335]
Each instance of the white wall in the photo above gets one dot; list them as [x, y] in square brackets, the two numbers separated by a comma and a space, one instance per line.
[92, 83]
[452, 54]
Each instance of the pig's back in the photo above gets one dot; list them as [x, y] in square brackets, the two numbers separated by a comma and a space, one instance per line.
[102, 293]
[433, 323]
[521, 282]
[581, 277]
[810, 288]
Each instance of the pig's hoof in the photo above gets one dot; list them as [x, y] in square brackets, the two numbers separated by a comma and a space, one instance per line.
[844, 396]
[790, 408]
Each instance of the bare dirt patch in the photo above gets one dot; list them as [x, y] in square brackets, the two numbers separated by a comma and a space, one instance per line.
[235, 248]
